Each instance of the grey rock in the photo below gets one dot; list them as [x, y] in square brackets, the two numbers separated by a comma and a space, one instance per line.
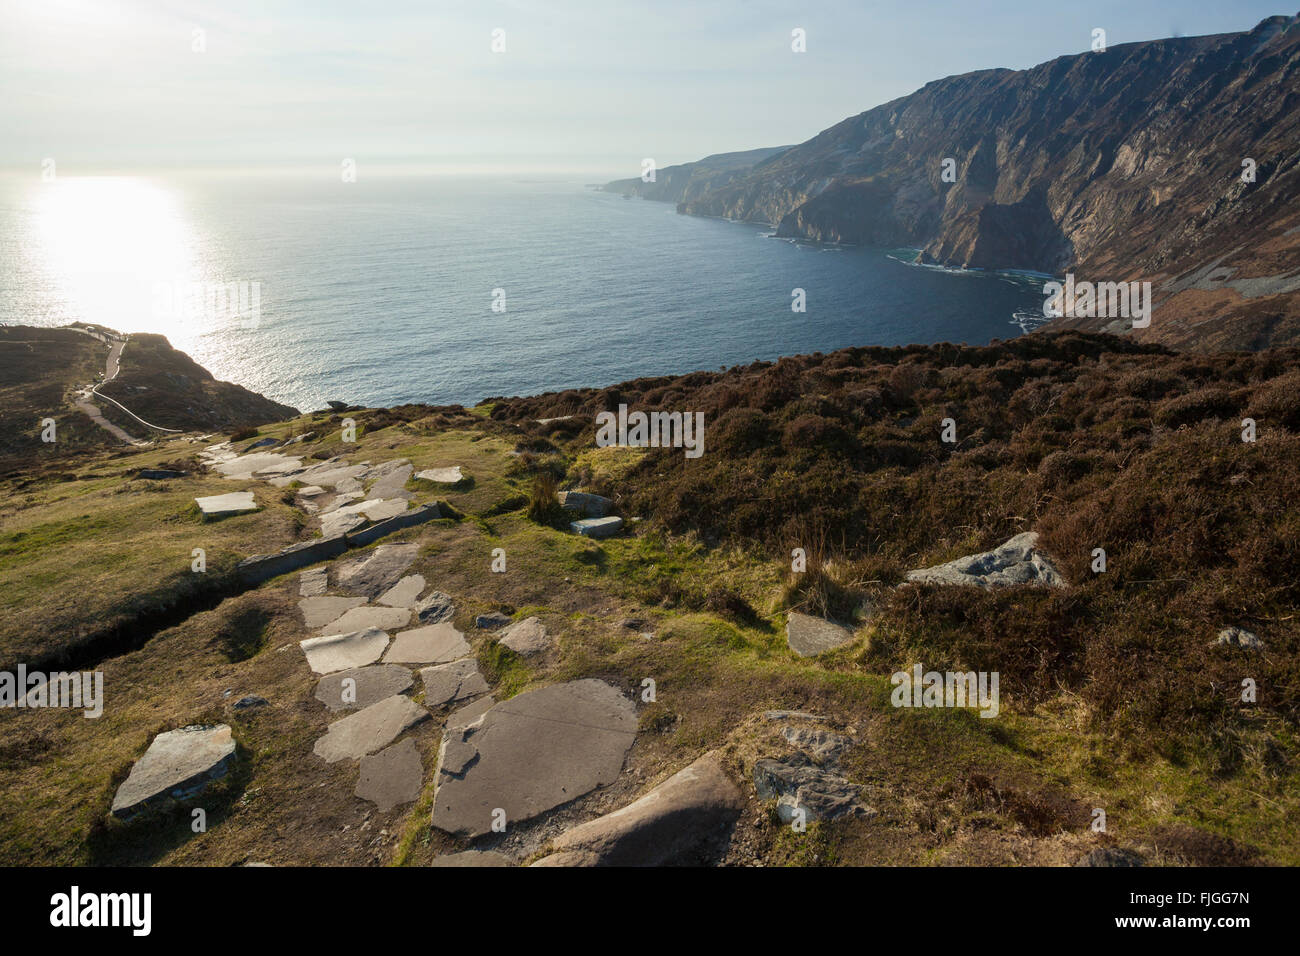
[368, 730]
[405, 593]
[178, 764]
[493, 621]
[336, 652]
[1239, 637]
[470, 713]
[442, 476]
[597, 527]
[1017, 561]
[369, 617]
[809, 636]
[252, 700]
[531, 754]
[791, 715]
[159, 474]
[374, 573]
[391, 777]
[369, 685]
[795, 783]
[822, 746]
[435, 607]
[313, 583]
[233, 503]
[337, 406]
[381, 529]
[588, 505]
[526, 637]
[686, 820]
[451, 683]
[340, 522]
[321, 609]
[435, 644]
[391, 481]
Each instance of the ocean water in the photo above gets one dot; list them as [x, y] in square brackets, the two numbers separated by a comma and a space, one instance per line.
[381, 291]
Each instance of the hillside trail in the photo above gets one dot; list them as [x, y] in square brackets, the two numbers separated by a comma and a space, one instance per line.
[112, 366]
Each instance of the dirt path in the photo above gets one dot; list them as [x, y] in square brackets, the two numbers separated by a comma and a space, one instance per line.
[112, 366]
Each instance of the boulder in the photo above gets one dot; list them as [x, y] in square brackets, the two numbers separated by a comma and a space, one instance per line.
[808, 636]
[530, 754]
[336, 652]
[369, 685]
[795, 783]
[391, 777]
[589, 506]
[1017, 561]
[685, 820]
[368, 730]
[178, 764]
[526, 637]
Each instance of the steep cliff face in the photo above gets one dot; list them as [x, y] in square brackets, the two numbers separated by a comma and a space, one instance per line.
[1122, 165]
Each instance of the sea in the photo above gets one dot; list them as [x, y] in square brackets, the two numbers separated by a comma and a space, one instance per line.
[453, 288]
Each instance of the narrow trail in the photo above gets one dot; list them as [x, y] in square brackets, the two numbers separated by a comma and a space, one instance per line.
[112, 366]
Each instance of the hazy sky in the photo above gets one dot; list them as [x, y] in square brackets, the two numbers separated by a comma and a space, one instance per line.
[582, 86]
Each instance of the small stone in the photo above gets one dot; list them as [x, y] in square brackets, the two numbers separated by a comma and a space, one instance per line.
[1015, 561]
[1238, 637]
[795, 784]
[244, 703]
[336, 652]
[391, 777]
[527, 637]
[450, 683]
[493, 621]
[588, 505]
[369, 730]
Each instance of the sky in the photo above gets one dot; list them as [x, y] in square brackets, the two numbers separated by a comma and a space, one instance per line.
[590, 86]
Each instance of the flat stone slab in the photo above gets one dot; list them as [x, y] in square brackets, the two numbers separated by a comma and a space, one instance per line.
[375, 572]
[391, 777]
[686, 820]
[597, 527]
[313, 583]
[809, 636]
[257, 465]
[470, 712]
[329, 474]
[234, 503]
[405, 593]
[340, 522]
[450, 683]
[369, 617]
[442, 476]
[320, 609]
[531, 754]
[391, 482]
[382, 510]
[337, 652]
[177, 765]
[370, 729]
[434, 644]
[526, 637]
[369, 685]
[1017, 561]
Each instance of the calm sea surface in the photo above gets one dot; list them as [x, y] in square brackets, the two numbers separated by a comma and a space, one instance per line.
[381, 291]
